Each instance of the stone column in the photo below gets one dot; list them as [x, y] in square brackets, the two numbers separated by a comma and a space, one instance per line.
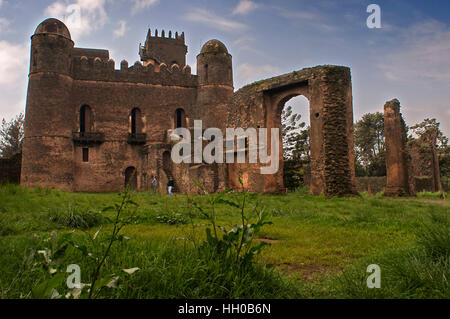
[396, 156]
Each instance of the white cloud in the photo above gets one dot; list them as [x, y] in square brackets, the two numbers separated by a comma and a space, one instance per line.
[140, 5]
[80, 16]
[214, 21]
[424, 54]
[13, 63]
[13, 77]
[247, 73]
[120, 32]
[245, 7]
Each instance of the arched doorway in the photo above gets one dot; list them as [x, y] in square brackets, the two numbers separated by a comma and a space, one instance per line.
[131, 178]
[329, 91]
[276, 101]
[295, 124]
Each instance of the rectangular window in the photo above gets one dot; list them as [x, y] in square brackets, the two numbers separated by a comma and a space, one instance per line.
[85, 155]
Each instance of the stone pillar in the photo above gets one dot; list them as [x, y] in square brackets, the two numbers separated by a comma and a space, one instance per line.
[337, 119]
[396, 155]
[436, 169]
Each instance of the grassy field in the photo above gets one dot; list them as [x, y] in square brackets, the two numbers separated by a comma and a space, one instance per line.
[318, 248]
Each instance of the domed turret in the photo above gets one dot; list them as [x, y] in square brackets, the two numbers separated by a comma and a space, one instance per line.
[53, 26]
[214, 46]
[51, 48]
[214, 64]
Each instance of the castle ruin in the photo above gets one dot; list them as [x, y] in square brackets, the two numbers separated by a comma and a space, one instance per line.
[91, 127]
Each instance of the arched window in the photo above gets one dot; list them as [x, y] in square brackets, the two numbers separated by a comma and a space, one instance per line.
[86, 120]
[180, 118]
[136, 121]
[206, 72]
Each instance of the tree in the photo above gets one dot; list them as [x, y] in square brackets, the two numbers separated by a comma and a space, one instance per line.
[427, 128]
[369, 145]
[295, 148]
[290, 126]
[11, 136]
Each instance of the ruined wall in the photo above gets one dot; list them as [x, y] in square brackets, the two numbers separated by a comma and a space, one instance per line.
[328, 89]
[424, 167]
[397, 183]
[372, 185]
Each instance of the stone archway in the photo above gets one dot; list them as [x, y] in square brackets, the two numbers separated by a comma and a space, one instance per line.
[329, 91]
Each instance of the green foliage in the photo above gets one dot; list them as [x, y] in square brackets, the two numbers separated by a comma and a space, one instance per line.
[296, 148]
[11, 136]
[74, 217]
[417, 272]
[369, 145]
[233, 245]
[290, 128]
[310, 235]
[434, 237]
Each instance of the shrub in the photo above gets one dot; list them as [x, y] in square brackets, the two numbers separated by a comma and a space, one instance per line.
[73, 217]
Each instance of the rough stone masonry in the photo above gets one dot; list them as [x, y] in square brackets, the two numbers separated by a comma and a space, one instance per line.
[91, 127]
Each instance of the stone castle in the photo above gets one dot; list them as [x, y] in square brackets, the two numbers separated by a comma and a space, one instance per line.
[92, 127]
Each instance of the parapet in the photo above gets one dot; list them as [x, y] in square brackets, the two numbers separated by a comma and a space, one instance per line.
[90, 53]
[103, 69]
[172, 36]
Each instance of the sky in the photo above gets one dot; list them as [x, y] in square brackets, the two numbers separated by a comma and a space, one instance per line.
[407, 58]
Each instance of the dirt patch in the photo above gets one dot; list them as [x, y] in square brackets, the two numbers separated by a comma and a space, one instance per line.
[307, 272]
[268, 240]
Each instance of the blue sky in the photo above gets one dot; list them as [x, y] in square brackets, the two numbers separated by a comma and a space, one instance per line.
[408, 58]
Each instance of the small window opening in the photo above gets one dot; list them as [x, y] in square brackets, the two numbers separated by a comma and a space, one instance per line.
[85, 155]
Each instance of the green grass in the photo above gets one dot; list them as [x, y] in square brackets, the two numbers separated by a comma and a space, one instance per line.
[320, 248]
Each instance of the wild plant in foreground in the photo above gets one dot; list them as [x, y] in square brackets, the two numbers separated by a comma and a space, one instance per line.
[234, 245]
[98, 253]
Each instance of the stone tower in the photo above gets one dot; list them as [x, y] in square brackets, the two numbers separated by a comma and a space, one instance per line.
[47, 146]
[161, 49]
[215, 81]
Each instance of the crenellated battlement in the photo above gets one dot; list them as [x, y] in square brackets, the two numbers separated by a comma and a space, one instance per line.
[98, 69]
[162, 35]
[158, 47]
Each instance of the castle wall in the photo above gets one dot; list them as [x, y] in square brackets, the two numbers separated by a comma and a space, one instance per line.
[111, 104]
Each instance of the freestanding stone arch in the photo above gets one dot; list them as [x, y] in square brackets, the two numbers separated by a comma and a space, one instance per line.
[329, 91]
